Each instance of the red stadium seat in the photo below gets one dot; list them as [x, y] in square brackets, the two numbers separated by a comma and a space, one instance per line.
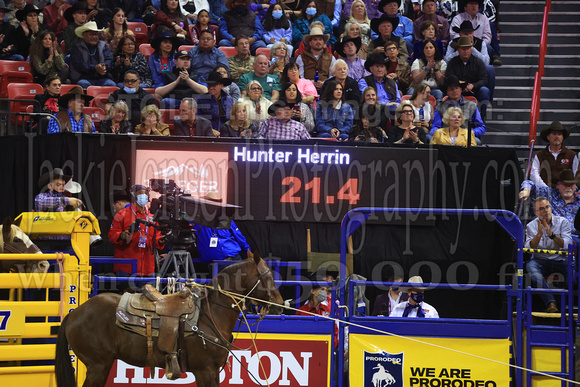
[101, 94]
[217, 32]
[185, 47]
[65, 88]
[97, 115]
[167, 117]
[138, 27]
[62, 46]
[22, 91]
[146, 50]
[13, 72]
[229, 51]
[263, 50]
[150, 90]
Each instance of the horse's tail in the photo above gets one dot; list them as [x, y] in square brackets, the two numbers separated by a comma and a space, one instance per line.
[65, 373]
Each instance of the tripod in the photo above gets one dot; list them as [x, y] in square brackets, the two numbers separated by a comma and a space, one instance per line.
[181, 260]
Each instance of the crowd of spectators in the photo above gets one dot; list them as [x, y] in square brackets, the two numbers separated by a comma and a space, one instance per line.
[317, 57]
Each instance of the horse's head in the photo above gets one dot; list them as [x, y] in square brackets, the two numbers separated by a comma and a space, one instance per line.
[14, 241]
[253, 278]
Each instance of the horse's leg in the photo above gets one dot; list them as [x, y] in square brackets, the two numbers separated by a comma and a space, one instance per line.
[207, 378]
[97, 375]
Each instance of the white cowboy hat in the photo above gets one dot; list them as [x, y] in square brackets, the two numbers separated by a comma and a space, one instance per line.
[89, 26]
[416, 281]
[315, 31]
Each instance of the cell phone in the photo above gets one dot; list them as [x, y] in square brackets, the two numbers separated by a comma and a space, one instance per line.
[296, 108]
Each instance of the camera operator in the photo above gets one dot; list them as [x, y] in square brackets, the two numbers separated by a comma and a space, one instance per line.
[135, 240]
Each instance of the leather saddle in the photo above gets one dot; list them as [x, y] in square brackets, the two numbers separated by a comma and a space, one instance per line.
[170, 318]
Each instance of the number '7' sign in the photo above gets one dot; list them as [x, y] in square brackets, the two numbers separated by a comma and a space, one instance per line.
[4, 317]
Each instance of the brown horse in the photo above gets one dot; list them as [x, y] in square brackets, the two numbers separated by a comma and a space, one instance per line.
[91, 332]
[14, 241]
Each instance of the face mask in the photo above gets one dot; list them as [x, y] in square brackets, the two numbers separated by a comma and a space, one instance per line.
[311, 11]
[321, 296]
[394, 288]
[277, 14]
[240, 8]
[142, 200]
[130, 90]
[418, 298]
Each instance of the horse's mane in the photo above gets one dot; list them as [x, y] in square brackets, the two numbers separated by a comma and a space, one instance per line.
[231, 270]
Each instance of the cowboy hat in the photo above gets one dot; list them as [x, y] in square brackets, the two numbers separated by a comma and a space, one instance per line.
[452, 80]
[212, 197]
[277, 105]
[88, 26]
[339, 47]
[29, 8]
[554, 126]
[229, 3]
[566, 177]
[376, 22]
[78, 6]
[466, 26]
[72, 93]
[385, 2]
[163, 36]
[377, 59]
[315, 31]
[51, 175]
[463, 3]
[415, 281]
[461, 42]
[73, 187]
[215, 77]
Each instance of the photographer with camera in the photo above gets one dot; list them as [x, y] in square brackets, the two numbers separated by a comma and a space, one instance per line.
[134, 239]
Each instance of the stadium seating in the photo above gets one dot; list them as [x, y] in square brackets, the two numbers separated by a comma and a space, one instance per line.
[101, 94]
[13, 72]
[140, 30]
[263, 50]
[65, 88]
[185, 47]
[22, 91]
[146, 50]
[97, 115]
[167, 116]
[229, 51]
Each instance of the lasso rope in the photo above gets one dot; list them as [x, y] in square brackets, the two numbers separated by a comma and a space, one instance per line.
[234, 296]
[60, 260]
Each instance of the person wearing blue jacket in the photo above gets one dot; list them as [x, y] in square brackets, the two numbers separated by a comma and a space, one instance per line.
[239, 20]
[220, 245]
[216, 100]
[334, 117]
[277, 27]
[310, 14]
[162, 59]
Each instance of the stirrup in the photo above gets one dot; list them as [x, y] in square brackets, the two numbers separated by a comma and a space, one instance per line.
[172, 369]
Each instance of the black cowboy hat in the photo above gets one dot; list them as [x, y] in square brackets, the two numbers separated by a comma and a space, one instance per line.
[228, 3]
[78, 6]
[51, 175]
[215, 77]
[277, 105]
[21, 14]
[376, 22]
[72, 93]
[121, 194]
[377, 59]
[385, 2]
[452, 80]
[566, 177]
[463, 3]
[465, 26]
[339, 47]
[554, 126]
[161, 37]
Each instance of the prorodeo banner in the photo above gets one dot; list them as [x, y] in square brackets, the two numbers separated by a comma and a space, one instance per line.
[397, 362]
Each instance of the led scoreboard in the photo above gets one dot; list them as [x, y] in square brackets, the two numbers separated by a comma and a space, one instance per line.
[292, 182]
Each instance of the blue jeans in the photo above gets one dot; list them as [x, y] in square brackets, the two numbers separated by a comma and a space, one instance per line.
[490, 80]
[170, 103]
[540, 267]
[253, 47]
[84, 83]
[483, 95]
[438, 94]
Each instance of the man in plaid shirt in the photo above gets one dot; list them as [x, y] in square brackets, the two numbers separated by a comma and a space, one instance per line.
[281, 126]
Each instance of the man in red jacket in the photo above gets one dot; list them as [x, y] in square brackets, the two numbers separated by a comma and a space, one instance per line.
[137, 242]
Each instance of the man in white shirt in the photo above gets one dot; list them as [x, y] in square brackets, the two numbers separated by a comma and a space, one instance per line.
[415, 306]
